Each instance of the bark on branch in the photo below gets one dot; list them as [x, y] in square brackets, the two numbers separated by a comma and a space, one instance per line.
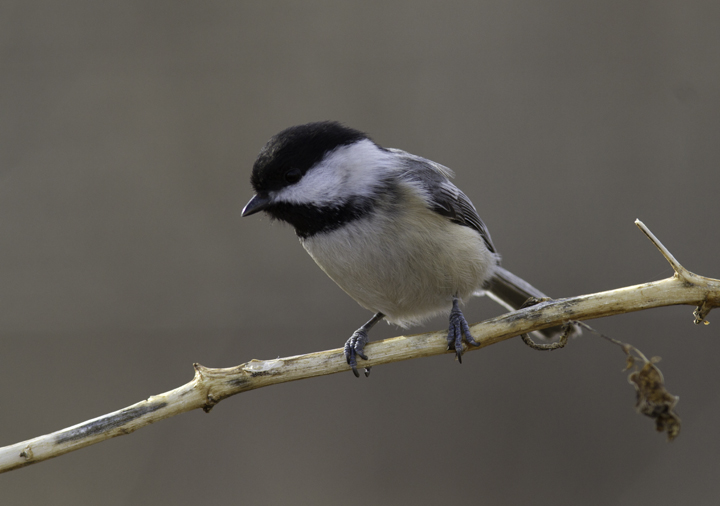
[210, 386]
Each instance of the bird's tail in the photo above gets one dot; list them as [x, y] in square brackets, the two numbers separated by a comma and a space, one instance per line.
[511, 292]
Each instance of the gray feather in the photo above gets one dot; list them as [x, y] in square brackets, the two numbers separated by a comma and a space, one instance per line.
[447, 199]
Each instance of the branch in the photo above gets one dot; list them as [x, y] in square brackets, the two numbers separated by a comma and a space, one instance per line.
[210, 386]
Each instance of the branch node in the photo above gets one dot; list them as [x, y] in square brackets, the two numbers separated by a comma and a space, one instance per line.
[701, 313]
[27, 453]
[210, 402]
[200, 371]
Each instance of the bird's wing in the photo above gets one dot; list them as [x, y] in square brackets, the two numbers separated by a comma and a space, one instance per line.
[447, 199]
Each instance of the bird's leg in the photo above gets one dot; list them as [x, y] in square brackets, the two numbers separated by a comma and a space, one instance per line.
[458, 328]
[355, 345]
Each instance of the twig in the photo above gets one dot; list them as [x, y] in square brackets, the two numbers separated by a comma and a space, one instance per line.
[679, 269]
[210, 386]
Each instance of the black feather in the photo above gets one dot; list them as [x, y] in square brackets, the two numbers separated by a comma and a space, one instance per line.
[298, 147]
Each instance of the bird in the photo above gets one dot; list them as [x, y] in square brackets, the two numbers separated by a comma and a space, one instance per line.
[387, 226]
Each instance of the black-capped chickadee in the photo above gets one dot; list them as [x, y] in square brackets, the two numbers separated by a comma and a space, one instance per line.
[387, 226]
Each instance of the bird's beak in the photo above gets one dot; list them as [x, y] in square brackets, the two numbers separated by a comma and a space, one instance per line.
[256, 204]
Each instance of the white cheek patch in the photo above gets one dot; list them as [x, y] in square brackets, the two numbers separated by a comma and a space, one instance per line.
[349, 171]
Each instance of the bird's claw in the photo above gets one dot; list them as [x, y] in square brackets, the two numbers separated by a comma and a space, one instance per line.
[458, 328]
[354, 348]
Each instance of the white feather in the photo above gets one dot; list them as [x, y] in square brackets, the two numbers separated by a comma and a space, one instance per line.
[348, 171]
[407, 265]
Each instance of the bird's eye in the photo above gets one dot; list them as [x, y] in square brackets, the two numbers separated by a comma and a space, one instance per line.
[293, 175]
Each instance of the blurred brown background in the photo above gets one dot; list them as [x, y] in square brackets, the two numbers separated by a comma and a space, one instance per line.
[127, 134]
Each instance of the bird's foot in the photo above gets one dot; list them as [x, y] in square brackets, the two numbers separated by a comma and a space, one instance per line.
[458, 328]
[354, 348]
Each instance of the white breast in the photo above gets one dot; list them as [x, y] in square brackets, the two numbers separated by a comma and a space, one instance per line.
[411, 275]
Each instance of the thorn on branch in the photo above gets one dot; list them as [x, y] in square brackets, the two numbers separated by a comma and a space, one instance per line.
[680, 271]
